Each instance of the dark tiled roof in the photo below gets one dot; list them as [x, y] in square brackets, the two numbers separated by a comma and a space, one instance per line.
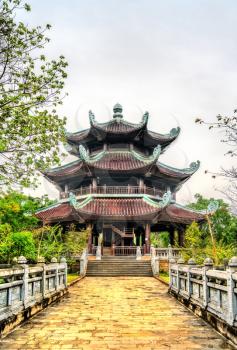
[118, 126]
[61, 211]
[179, 214]
[119, 207]
[69, 169]
[119, 161]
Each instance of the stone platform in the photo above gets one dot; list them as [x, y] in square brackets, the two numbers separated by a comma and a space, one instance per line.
[118, 313]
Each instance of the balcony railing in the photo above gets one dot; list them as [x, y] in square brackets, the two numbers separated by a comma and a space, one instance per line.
[152, 191]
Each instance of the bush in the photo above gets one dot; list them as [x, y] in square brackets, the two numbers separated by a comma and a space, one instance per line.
[15, 244]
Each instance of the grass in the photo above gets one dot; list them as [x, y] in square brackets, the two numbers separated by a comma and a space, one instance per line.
[164, 276]
[71, 277]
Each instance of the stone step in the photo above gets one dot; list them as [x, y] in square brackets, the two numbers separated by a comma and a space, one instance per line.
[119, 267]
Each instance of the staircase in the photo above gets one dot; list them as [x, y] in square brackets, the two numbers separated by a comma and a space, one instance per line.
[118, 266]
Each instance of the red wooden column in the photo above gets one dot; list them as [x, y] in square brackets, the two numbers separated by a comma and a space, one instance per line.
[147, 237]
[89, 227]
[181, 238]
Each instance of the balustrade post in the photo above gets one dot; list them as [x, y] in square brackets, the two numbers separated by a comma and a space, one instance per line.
[170, 255]
[171, 262]
[191, 264]
[138, 253]
[208, 264]
[180, 262]
[98, 252]
[55, 262]
[25, 286]
[41, 262]
[64, 262]
[232, 298]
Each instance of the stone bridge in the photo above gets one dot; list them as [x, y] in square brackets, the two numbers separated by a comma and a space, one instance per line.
[115, 313]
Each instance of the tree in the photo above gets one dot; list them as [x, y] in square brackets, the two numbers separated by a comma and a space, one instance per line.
[160, 239]
[224, 223]
[75, 241]
[49, 241]
[30, 90]
[228, 125]
[17, 211]
[16, 244]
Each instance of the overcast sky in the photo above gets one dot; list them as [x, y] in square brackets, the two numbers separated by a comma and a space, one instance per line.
[176, 59]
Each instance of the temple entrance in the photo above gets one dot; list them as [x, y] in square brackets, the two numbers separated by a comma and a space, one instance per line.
[107, 237]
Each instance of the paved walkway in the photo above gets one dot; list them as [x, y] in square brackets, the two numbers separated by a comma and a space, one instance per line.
[115, 313]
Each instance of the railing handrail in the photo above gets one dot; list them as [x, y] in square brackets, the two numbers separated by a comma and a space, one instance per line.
[104, 189]
[34, 283]
[214, 290]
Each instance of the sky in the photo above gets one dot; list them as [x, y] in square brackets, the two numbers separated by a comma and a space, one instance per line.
[175, 59]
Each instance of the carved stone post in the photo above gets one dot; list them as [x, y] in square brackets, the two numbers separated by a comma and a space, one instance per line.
[232, 299]
[191, 264]
[179, 262]
[55, 262]
[64, 262]
[41, 262]
[138, 254]
[25, 286]
[171, 262]
[147, 237]
[208, 264]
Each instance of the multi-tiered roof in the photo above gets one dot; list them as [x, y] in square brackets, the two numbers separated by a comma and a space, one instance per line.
[118, 176]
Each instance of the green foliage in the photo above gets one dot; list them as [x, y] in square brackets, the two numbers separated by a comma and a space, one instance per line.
[223, 222]
[75, 241]
[16, 244]
[30, 90]
[160, 239]
[17, 209]
[198, 238]
[49, 242]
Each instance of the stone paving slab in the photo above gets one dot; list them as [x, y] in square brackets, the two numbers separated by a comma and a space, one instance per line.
[115, 313]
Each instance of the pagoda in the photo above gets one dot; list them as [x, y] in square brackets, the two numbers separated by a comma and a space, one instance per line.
[117, 186]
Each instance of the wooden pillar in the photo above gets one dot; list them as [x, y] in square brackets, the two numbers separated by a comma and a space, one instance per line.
[89, 227]
[171, 231]
[147, 237]
[181, 238]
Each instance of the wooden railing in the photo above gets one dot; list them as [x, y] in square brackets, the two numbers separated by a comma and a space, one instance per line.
[120, 250]
[152, 191]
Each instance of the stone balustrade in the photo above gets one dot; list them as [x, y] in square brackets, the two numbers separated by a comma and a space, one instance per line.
[83, 262]
[168, 253]
[23, 286]
[213, 292]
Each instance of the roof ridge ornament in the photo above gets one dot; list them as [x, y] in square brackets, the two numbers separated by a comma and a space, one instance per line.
[118, 109]
[212, 207]
[166, 199]
[174, 132]
[145, 118]
[194, 166]
[84, 154]
[92, 117]
[156, 152]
